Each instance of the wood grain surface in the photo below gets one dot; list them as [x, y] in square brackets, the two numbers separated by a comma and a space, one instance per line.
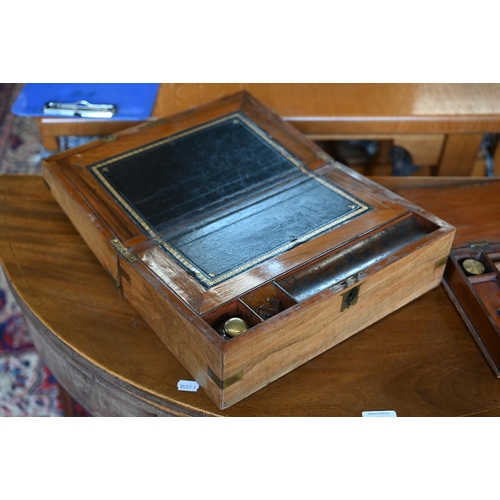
[390, 241]
[321, 110]
[317, 109]
[418, 361]
[419, 117]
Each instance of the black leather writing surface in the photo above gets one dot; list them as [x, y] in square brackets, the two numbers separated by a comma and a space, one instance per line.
[197, 170]
[224, 197]
[264, 230]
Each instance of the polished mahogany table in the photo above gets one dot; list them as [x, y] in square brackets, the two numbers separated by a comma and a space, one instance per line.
[418, 361]
[439, 124]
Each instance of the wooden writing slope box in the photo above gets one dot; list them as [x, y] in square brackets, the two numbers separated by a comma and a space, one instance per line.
[226, 211]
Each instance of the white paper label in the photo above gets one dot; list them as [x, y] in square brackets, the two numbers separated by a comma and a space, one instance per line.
[383, 413]
[187, 385]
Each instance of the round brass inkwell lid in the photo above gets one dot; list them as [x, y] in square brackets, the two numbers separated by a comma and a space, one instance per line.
[473, 266]
[235, 326]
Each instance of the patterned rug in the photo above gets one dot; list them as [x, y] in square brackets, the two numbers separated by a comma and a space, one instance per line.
[27, 388]
[20, 148]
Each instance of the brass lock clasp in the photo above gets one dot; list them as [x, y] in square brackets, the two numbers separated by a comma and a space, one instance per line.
[350, 298]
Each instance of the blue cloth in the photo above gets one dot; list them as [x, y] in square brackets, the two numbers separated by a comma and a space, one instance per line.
[135, 101]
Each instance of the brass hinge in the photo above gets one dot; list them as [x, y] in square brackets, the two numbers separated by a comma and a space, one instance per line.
[109, 138]
[120, 247]
[441, 262]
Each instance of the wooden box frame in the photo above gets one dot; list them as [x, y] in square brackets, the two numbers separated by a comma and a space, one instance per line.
[477, 297]
[329, 287]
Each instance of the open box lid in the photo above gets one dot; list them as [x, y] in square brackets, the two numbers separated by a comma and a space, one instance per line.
[224, 196]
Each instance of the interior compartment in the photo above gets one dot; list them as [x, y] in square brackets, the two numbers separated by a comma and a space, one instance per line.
[494, 258]
[219, 316]
[354, 258]
[268, 300]
[482, 278]
[481, 257]
[489, 294]
[491, 262]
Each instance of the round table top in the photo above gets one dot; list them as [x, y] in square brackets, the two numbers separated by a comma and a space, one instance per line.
[418, 361]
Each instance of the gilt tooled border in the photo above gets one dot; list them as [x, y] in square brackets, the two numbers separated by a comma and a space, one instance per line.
[96, 169]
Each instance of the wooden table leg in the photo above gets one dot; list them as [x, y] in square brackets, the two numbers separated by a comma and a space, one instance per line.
[459, 154]
[66, 401]
[50, 143]
[382, 158]
[496, 161]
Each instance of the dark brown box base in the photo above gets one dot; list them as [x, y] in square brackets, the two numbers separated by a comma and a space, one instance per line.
[477, 297]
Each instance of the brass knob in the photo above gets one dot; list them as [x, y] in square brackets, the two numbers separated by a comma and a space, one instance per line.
[235, 326]
[473, 266]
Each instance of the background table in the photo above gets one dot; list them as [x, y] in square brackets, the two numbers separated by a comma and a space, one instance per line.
[441, 125]
[418, 361]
